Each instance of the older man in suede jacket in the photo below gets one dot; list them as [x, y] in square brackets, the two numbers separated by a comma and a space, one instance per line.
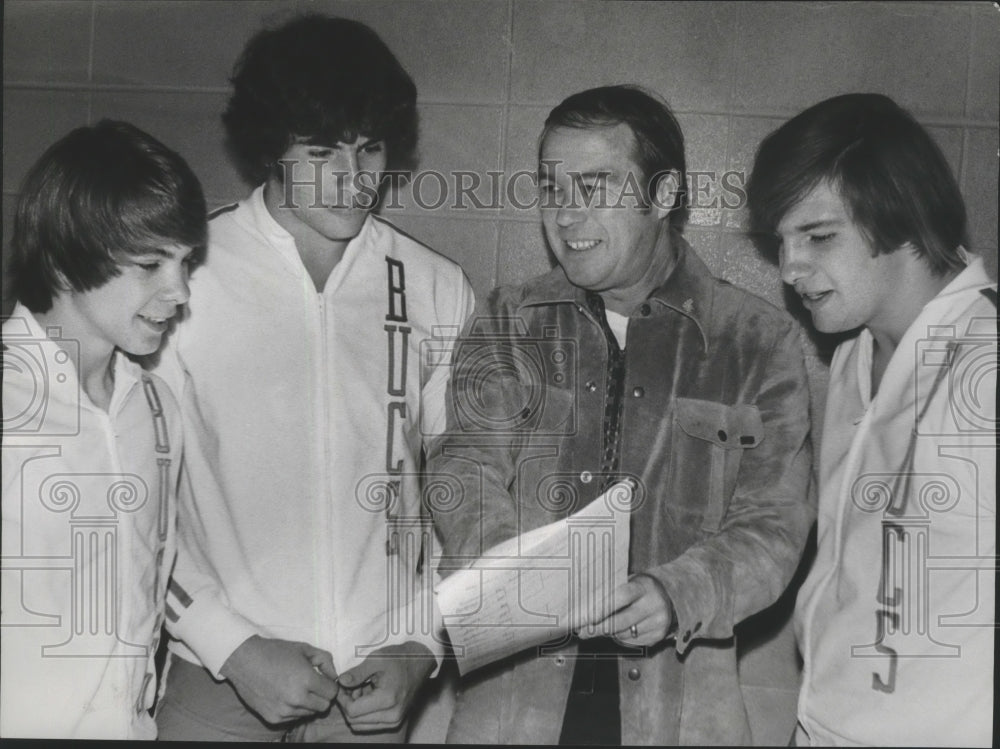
[628, 360]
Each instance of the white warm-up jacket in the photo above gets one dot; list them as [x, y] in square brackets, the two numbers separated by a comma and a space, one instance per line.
[300, 512]
[896, 618]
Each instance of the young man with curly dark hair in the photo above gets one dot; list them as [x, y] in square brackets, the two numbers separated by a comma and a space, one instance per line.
[298, 605]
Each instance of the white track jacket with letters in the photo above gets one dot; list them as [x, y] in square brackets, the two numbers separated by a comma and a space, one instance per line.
[896, 618]
[300, 503]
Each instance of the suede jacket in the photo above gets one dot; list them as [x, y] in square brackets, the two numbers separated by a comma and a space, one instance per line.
[714, 427]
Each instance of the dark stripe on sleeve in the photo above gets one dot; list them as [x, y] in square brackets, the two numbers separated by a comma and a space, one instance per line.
[180, 594]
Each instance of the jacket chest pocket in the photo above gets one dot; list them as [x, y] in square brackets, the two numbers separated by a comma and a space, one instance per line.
[709, 440]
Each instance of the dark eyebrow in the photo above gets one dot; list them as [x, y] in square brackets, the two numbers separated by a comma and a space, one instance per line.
[597, 174]
[821, 224]
[326, 148]
[594, 174]
[160, 252]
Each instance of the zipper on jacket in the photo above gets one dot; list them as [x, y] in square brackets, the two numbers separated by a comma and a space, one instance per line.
[325, 579]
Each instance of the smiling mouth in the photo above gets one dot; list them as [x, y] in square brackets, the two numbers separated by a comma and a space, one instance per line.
[155, 321]
[581, 245]
[814, 297]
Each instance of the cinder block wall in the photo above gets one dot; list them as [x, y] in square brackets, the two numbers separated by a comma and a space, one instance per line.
[488, 71]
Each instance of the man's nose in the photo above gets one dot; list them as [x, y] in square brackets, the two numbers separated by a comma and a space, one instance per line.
[177, 289]
[351, 164]
[794, 263]
[567, 215]
[353, 177]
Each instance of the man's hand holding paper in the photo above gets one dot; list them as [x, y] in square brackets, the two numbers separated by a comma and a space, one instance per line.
[544, 584]
[641, 614]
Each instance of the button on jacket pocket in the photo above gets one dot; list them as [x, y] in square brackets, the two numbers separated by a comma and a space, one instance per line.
[709, 441]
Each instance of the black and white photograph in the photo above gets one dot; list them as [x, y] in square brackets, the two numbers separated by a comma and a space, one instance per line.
[552, 372]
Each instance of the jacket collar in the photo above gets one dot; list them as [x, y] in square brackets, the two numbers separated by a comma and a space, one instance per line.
[22, 326]
[261, 220]
[688, 289]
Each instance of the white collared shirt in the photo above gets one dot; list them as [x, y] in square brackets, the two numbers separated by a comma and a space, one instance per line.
[88, 541]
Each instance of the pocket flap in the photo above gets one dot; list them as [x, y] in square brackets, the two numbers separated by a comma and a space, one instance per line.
[737, 426]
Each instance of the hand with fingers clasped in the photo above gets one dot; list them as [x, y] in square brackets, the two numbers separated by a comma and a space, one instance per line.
[282, 680]
[643, 614]
[376, 694]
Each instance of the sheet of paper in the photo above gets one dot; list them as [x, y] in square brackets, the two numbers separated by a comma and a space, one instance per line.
[541, 585]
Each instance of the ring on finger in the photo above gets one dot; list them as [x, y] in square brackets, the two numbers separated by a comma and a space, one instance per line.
[634, 631]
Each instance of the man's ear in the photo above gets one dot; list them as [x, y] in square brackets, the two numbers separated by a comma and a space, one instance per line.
[669, 192]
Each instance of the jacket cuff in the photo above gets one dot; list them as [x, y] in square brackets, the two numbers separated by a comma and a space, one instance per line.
[698, 607]
[213, 632]
[436, 648]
